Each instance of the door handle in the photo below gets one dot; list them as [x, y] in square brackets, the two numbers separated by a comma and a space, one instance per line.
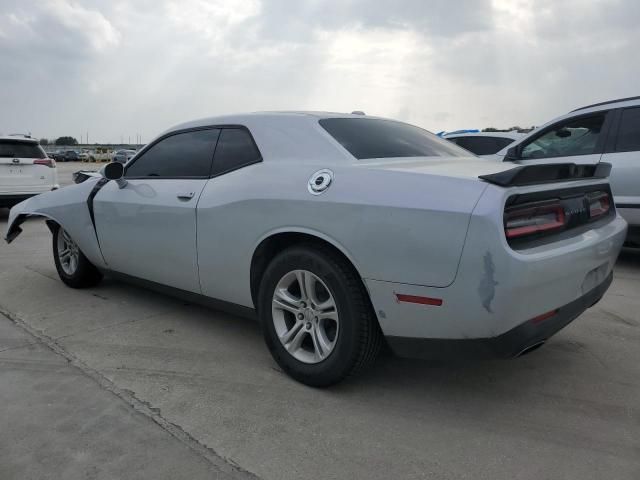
[186, 196]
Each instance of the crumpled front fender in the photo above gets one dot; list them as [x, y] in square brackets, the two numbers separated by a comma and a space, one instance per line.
[67, 207]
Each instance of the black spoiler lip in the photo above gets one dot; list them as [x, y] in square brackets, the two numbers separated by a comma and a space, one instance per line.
[547, 173]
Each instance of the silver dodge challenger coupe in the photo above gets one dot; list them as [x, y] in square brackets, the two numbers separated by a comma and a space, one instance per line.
[342, 232]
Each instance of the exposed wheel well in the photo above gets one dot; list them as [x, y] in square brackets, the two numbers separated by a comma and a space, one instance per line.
[275, 244]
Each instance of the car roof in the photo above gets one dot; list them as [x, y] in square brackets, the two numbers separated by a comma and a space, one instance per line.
[18, 138]
[628, 101]
[287, 135]
[257, 117]
[511, 134]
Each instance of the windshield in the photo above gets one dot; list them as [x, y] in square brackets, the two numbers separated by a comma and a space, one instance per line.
[17, 149]
[366, 138]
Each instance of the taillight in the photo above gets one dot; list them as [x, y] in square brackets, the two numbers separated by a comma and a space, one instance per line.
[47, 162]
[529, 220]
[599, 204]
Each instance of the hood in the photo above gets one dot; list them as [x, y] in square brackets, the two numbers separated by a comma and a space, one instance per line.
[460, 167]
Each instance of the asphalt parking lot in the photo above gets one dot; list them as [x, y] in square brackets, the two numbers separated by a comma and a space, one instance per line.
[120, 382]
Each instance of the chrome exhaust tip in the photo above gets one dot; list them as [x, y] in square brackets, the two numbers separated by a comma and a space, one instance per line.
[530, 348]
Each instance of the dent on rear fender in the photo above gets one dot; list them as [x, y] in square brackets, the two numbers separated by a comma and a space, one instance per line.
[487, 286]
[67, 207]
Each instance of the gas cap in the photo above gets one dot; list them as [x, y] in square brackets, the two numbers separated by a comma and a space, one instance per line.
[320, 181]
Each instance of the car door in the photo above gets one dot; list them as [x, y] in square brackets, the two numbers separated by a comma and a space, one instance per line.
[224, 250]
[578, 139]
[148, 228]
[623, 153]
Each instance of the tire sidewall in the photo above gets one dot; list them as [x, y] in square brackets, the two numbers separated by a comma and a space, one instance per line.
[342, 358]
[85, 274]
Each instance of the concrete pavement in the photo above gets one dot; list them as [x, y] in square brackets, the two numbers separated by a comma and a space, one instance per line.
[61, 421]
[568, 410]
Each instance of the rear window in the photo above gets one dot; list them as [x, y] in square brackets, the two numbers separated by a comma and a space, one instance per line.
[17, 149]
[482, 145]
[376, 138]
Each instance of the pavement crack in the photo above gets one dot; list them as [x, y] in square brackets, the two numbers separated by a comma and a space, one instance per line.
[619, 318]
[18, 347]
[223, 465]
[111, 325]
[31, 269]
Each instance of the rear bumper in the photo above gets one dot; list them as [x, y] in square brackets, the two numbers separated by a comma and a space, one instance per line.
[509, 344]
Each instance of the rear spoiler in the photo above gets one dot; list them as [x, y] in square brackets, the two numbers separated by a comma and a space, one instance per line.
[547, 173]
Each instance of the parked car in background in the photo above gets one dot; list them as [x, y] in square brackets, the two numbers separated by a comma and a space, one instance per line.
[337, 230]
[100, 155]
[603, 132]
[484, 143]
[57, 155]
[71, 156]
[123, 156]
[25, 170]
[83, 155]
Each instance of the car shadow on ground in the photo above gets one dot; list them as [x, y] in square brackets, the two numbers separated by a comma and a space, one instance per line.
[629, 257]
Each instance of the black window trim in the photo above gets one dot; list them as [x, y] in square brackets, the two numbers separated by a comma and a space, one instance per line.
[600, 145]
[221, 127]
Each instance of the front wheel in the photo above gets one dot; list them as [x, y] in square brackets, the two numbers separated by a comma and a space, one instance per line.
[74, 269]
[316, 316]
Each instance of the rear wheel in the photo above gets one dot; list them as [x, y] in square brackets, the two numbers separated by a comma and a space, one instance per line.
[316, 316]
[74, 269]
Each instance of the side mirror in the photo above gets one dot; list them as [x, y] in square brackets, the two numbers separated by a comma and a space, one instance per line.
[512, 154]
[115, 171]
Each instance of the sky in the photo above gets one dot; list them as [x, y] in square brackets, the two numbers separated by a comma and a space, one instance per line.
[117, 69]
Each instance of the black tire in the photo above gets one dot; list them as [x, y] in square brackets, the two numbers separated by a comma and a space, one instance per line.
[85, 274]
[359, 340]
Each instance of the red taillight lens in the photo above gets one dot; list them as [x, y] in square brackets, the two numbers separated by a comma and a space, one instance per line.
[530, 220]
[599, 205]
[47, 162]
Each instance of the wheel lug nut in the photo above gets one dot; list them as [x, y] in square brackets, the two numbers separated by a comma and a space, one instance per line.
[300, 316]
[304, 305]
[308, 325]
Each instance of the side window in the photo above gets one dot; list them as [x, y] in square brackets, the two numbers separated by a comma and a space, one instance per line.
[187, 154]
[235, 149]
[574, 137]
[629, 131]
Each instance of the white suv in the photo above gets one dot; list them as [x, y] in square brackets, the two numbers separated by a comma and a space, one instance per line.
[603, 132]
[25, 170]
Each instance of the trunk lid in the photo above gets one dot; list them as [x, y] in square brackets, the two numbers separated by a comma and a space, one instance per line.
[459, 167]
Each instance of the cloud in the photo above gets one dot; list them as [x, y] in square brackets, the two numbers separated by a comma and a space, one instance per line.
[117, 68]
[55, 28]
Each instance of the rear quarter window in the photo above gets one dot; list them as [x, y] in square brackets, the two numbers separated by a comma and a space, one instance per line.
[17, 149]
[235, 149]
[366, 138]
